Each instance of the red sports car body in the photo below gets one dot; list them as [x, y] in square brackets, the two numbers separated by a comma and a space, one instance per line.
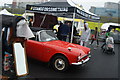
[47, 48]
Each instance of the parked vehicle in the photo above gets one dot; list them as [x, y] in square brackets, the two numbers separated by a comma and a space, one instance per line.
[116, 37]
[46, 47]
[114, 32]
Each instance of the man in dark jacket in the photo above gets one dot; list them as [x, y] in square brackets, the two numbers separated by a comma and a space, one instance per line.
[64, 31]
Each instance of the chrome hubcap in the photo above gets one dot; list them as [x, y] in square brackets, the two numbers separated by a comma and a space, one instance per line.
[59, 64]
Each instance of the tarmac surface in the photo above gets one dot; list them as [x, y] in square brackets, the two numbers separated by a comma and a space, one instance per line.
[101, 65]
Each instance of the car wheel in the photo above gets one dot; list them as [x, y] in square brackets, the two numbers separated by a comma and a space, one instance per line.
[60, 63]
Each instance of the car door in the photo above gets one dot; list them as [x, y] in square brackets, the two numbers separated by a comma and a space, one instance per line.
[35, 48]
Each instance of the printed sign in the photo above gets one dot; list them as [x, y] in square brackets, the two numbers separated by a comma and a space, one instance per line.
[49, 9]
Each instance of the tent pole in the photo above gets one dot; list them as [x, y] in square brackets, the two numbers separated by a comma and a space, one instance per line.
[72, 26]
[99, 24]
[43, 20]
[25, 14]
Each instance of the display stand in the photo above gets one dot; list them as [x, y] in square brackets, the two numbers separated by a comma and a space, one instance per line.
[20, 60]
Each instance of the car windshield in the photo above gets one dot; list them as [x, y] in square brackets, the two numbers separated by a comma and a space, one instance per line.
[47, 36]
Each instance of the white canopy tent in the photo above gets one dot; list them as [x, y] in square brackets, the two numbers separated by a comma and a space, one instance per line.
[5, 12]
[26, 15]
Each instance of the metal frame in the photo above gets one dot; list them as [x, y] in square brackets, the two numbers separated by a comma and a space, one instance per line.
[73, 26]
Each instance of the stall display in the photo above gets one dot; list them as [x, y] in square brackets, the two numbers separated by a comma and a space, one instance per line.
[62, 9]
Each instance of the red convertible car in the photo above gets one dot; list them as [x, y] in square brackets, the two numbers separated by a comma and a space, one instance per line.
[46, 47]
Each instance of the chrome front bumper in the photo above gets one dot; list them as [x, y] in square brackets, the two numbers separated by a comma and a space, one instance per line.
[83, 61]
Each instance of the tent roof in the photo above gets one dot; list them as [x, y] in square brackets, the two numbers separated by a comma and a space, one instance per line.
[5, 12]
[61, 9]
[55, 4]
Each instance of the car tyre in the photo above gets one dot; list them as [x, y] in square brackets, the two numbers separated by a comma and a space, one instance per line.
[60, 63]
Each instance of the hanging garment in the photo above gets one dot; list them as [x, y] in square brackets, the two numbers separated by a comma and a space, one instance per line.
[23, 30]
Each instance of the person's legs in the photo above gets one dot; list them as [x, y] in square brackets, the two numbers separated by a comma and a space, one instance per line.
[69, 37]
[85, 44]
[64, 38]
[103, 45]
[59, 37]
[81, 43]
[97, 42]
[92, 41]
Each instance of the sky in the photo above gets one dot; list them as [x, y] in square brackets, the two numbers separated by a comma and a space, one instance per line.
[85, 3]
[97, 3]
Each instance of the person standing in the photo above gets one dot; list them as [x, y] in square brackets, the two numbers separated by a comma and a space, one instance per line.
[95, 37]
[85, 35]
[59, 31]
[64, 30]
[31, 22]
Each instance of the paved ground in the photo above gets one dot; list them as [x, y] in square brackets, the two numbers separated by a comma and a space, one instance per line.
[0, 57]
[101, 65]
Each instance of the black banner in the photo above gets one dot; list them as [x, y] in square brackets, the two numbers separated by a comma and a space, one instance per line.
[87, 15]
[48, 9]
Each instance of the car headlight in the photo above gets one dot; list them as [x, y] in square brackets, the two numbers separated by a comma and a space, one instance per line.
[78, 58]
